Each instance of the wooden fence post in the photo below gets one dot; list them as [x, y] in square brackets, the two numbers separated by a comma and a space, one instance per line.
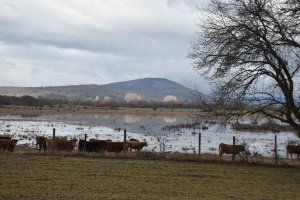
[275, 151]
[84, 146]
[53, 139]
[199, 148]
[124, 143]
[233, 143]
[125, 135]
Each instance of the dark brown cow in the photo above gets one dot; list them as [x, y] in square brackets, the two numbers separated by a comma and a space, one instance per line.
[9, 145]
[60, 144]
[41, 142]
[231, 149]
[116, 147]
[292, 149]
[136, 145]
[92, 146]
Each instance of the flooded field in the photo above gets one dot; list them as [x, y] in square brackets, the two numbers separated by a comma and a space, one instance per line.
[142, 127]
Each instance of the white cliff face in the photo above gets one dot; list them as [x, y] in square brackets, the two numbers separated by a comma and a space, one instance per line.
[132, 97]
[107, 99]
[97, 98]
[170, 98]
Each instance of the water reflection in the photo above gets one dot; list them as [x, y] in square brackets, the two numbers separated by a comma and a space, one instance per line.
[152, 124]
[170, 119]
[131, 119]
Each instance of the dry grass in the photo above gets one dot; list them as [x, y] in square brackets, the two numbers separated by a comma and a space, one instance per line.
[168, 156]
[38, 176]
[32, 111]
[262, 128]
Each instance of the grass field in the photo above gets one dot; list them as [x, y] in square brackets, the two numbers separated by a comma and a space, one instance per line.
[59, 177]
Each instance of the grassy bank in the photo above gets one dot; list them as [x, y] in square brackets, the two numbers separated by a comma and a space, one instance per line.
[31, 110]
[58, 177]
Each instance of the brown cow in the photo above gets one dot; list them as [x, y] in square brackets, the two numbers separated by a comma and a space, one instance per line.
[292, 149]
[115, 147]
[60, 144]
[231, 149]
[136, 145]
[41, 141]
[9, 145]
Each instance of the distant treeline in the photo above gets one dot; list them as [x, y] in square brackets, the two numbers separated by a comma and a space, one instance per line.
[41, 101]
[29, 101]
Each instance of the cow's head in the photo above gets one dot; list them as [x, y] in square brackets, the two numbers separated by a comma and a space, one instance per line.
[12, 145]
[242, 147]
[14, 142]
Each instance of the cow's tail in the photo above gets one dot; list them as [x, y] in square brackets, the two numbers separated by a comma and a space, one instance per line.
[220, 149]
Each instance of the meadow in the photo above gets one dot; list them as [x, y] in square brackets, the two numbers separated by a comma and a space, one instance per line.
[39, 176]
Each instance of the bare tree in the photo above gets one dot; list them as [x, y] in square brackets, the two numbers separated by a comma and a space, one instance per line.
[250, 50]
[292, 7]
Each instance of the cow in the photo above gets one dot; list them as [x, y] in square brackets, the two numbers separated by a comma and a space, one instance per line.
[116, 147]
[230, 149]
[9, 145]
[136, 145]
[41, 142]
[60, 144]
[92, 145]
[292, 149]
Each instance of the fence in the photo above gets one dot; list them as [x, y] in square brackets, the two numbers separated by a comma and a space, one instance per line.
[234, 147]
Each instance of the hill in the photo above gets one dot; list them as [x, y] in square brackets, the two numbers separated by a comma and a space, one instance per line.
[147, 88]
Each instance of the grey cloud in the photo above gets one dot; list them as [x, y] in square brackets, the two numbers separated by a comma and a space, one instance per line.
[74, 42]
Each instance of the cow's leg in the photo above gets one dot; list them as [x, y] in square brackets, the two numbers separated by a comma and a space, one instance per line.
[233, 157]
[220, 153]
[44, 146]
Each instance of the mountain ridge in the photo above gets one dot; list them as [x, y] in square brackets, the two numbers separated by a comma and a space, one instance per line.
[147, 88]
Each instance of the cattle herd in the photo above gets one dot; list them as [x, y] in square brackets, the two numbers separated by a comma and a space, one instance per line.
[94, 145]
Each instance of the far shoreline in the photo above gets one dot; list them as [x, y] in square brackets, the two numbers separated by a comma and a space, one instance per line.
[77, 110]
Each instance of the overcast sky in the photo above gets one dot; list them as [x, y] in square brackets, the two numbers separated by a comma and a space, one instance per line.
[56, 42]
